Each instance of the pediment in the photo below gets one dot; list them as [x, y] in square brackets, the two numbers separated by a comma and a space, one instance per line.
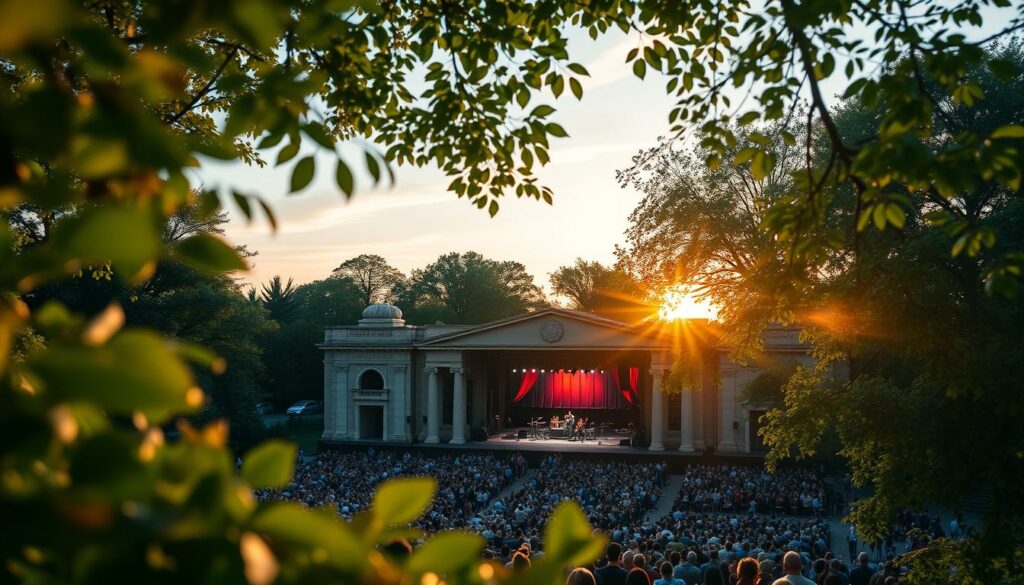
[548, 329]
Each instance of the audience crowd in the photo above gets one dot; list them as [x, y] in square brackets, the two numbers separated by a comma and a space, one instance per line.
[729, 525]
[466, 482]
[735, 488]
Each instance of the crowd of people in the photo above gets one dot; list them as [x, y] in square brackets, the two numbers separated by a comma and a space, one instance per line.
[728, 524]
[614, 496]
[735, 488]
[466, 482]
[632, 566]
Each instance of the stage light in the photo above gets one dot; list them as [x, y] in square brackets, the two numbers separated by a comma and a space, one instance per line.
[602, 371]
[542, 371]
[535, 369]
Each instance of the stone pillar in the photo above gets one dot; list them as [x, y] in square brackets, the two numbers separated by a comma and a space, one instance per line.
[433, 399]
[330, 400]
[686, 420]
[459, 407]
[657, 413]
[341, 401]
[397, 403]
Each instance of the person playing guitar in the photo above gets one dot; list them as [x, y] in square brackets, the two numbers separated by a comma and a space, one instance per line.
[578, 431]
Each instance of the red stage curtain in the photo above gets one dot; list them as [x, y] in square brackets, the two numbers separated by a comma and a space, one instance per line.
[524, 387]
[565, 389]
[618, 385]
[634, 381]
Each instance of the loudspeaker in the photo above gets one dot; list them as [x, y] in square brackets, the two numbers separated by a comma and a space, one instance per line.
[735, 425]
[624, 442]
[522, 433]
[509, 436]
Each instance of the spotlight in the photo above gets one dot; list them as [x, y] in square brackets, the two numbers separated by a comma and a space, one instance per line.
[535, 370]
[513, 370]
[542, 371]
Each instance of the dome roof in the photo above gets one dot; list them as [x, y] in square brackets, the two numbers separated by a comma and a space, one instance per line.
[382, 311]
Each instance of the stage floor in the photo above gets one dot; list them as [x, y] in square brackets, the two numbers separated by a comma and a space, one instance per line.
[514, 436]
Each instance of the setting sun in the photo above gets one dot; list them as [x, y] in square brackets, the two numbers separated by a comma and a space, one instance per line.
[679, 303]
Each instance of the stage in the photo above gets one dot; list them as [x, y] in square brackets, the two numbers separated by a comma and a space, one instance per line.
[523, 438]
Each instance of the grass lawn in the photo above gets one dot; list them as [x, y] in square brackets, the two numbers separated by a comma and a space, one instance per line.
[304, 430]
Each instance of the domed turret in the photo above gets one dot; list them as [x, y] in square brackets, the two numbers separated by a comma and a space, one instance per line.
[382, 315]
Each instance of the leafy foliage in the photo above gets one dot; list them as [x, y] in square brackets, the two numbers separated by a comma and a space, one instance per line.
[375, 278]
[594, 288]
[468, 288]
[927, 413]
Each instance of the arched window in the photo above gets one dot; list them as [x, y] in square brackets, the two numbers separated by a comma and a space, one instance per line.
[371, 380]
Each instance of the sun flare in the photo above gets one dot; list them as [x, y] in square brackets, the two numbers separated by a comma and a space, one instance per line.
[678, 303]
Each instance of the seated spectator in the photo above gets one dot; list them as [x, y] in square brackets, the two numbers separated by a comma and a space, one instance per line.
[638, 576]
[666, 578]
[581, 576]
[791, 565]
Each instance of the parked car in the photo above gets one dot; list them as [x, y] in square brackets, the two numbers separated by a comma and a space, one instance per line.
[264, 408]
[306, 407]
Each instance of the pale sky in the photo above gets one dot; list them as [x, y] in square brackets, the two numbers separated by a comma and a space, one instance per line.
[417, 220]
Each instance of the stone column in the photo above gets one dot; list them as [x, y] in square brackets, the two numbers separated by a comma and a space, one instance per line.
[459, 407]
[330, 400]
[397, 403]
[657, 414]
[341, 401]
[686, 420]
[433, 424]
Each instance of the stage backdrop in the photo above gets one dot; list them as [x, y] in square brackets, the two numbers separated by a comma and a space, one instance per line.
[574, 390]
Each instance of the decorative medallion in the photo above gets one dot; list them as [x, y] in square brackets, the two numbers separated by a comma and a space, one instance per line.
[552, 331]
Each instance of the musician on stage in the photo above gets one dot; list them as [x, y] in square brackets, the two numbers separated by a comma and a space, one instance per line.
[570, 424]
[577, 431]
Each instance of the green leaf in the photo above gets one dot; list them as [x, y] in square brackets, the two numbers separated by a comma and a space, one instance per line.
[287, 153]
[291, 524]
[558, 86]
[761, 165]
[270, 464]
[317, 132]
[576, 87]
[639, 68]
[895, 215]
[748, 118]
[373, 166]
[125, 236]
[401, 501]
[135, 371]
[556, 130]
[569, 538]
[209, 253]
[542, 110]
[1010, 131]
[343, 176]
[744, 155]
[578, 69]
[447, 553]
[302, 174]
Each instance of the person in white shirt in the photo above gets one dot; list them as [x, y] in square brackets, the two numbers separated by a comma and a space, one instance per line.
[791, 566]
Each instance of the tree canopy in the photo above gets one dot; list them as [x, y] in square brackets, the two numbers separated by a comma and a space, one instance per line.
[373, 275]
[108, 109]
[469, 289]
[595, 288]
[933, 358]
